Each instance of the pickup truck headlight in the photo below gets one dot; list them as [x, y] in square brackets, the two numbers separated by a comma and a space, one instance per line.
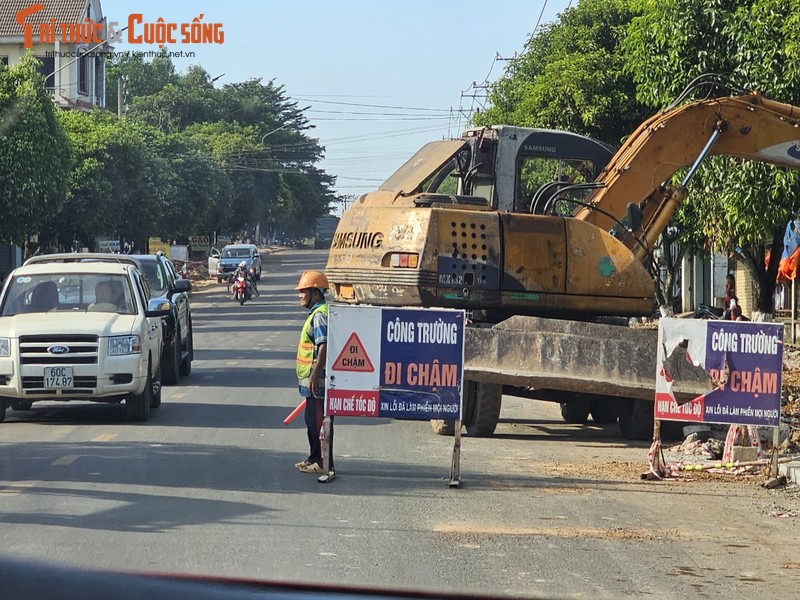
[5, 347]
[124, 344]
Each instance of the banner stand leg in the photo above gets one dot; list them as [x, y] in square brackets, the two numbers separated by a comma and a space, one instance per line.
[655, 456]
[776, 440]
[455, 468]
[326, 452]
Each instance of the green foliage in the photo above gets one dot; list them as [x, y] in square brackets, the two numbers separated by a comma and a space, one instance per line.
[34, 152]
[250, 136]
[141, 78]
[199, 190]
[734, 205]
[119, 182]
[570, 76]
[179, 104]
[185, 158]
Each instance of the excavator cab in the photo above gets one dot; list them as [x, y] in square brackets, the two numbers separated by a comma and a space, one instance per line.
[454, 227]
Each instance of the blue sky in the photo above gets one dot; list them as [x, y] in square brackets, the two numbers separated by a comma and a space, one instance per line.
[409, 64]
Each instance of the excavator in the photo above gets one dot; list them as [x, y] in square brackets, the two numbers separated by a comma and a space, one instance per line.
[524, 227]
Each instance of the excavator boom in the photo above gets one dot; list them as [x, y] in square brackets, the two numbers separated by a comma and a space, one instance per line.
[747, 126]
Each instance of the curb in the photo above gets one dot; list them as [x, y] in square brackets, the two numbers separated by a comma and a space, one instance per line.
[791, 471]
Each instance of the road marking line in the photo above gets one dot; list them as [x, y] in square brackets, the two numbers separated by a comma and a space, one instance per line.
[105, 437]
[66, 460]
[16, 488]
[231, 363]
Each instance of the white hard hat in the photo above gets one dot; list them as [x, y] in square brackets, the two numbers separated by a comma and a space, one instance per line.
[243, 264]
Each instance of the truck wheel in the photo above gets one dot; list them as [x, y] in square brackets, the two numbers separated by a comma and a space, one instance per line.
[604, 411]
[21, 404]
[172, 361]
[442, 427]
[482, 407]
[636, 419]
[575, 411]
[137, 406]
[186, 363]
[3, 405]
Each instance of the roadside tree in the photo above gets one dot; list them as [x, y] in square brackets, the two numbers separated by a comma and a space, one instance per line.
[35, 153]
[735, 204]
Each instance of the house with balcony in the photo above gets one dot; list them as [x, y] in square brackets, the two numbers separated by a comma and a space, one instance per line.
[70, 39]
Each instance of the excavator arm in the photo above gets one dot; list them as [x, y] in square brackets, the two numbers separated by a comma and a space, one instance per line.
[748, 126]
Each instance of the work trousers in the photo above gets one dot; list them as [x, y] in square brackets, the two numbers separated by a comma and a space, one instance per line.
[314, 414]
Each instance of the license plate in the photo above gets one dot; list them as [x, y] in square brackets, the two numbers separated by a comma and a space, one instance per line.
[58, 377]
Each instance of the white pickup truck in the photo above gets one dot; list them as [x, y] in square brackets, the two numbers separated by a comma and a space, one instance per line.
[80, 331]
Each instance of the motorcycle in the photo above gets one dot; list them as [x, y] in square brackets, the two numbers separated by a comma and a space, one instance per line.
[704, 311]
[240, 289]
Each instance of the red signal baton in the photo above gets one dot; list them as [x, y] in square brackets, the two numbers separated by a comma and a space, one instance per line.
[295, 412]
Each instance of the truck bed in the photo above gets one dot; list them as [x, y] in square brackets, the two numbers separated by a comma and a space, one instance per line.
[566, 356]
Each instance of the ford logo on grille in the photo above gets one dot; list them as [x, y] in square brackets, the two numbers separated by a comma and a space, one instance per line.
[58, 349]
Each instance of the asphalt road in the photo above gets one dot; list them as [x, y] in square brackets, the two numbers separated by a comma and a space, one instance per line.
[207, 487]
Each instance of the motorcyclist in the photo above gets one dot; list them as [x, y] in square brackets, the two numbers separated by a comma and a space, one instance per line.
[242, 270]
[251, 274]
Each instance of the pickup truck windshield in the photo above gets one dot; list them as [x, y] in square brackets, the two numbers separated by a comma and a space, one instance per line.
[93, 292]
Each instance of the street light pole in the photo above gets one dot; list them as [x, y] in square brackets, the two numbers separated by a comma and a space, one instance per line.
[77, 58]
[285, 125]
[211, 81]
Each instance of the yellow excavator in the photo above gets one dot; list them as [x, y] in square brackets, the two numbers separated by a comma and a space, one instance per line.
[508, 222]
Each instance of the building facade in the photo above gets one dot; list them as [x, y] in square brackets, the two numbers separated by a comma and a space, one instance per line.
[70, 40]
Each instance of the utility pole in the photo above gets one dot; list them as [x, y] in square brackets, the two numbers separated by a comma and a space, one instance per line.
[120, 95]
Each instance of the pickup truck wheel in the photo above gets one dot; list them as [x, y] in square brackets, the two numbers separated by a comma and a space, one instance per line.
[442, 427]
[21, 404]
[636, 419]
[138, 405]
[575, 411]
[172, 361]
[482, 407]
[3, 405]
[186, 363]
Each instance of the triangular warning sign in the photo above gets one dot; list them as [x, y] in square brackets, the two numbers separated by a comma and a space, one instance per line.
[353, 357]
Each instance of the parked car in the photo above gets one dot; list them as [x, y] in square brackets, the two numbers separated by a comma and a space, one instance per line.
[80, 329]
[165, 282]
[232, 255]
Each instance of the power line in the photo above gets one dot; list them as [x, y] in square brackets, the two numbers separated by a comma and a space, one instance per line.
[372, 105]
